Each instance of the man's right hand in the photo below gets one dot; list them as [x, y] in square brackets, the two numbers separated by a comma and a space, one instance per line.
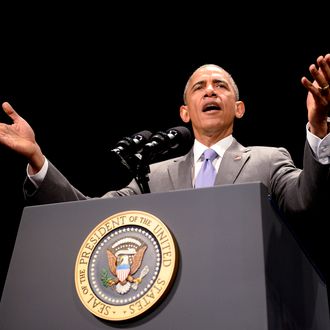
[19, 136]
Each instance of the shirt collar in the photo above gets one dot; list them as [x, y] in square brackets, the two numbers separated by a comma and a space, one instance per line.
[220, 147]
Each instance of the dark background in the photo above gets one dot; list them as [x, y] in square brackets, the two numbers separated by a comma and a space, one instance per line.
[87, 77]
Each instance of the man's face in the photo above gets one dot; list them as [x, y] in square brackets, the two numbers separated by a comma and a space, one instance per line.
[210, 102]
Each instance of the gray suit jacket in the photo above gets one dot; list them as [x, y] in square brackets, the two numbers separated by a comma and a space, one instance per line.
[293, 189]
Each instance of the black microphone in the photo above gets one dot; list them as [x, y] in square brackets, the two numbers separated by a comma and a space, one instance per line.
[162, 142]
[129, 146]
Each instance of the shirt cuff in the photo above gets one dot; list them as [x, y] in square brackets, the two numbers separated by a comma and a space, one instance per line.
[320, 147]
[37, 178]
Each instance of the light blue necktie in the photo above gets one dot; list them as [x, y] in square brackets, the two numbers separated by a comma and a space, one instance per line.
[206, 175]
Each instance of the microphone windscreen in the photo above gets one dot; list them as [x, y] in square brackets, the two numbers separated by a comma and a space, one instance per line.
[180, 135]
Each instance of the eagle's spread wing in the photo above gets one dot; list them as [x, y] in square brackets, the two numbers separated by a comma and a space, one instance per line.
[112, 261]
[137, 259]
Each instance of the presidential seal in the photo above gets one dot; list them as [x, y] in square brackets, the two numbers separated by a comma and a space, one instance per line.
[125, 265]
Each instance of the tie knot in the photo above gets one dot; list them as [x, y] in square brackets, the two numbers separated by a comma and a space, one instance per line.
[210, 154]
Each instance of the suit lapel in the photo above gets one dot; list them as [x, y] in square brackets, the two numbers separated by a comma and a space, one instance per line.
[233, 160]
[180, 171]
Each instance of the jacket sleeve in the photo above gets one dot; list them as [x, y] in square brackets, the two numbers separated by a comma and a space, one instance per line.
[55, 188]
[297, 191]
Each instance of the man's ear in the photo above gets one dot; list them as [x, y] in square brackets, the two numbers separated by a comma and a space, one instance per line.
[240, 109]
[184, 114]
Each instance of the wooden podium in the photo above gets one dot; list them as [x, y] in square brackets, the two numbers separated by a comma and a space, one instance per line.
[239, 265]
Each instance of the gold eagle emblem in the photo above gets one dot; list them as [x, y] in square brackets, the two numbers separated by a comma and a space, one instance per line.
[124, 260]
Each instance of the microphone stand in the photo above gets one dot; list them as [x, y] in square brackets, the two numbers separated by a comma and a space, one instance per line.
[142, 174]
[139, 169]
